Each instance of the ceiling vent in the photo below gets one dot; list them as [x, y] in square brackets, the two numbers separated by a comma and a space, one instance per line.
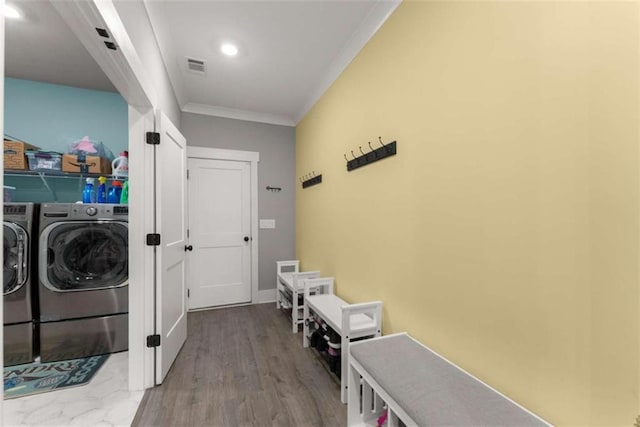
[196, 66]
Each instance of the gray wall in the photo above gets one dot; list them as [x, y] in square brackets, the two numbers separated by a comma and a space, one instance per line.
[276, 145]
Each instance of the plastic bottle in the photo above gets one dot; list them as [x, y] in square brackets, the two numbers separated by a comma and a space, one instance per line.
[124, 197]
[102, 190]
[88, 194]
[120, 165]
[115, 192]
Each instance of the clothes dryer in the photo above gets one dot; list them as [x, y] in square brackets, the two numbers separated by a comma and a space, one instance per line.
[18, 223]
[83, 270]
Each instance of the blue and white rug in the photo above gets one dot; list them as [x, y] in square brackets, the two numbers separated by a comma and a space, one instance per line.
[34, 378]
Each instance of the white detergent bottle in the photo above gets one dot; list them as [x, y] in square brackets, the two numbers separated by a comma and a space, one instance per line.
[120, 165]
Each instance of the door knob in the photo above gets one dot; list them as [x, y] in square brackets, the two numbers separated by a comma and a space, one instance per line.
[188, 248]
[246, 238]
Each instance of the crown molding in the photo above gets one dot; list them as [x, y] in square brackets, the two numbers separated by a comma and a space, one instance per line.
[232, 113]
[370, 25]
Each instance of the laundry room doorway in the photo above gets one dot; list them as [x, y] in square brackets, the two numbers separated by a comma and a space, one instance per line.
[152, 344]
[56, 95]
[124, 69]
[223, 238]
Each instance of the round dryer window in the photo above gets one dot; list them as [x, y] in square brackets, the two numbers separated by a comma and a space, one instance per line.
[14, 273]
[82, 256]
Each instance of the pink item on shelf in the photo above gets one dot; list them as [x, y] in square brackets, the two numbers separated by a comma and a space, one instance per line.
[84, 145]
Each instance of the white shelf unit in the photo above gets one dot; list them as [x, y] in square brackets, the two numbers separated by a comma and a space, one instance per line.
[289, 287]
[350, 321]
[415, 386]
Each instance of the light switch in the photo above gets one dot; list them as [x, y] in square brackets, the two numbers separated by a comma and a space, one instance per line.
[267, 223]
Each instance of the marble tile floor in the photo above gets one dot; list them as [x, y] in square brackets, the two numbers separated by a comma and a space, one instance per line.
[105, 401]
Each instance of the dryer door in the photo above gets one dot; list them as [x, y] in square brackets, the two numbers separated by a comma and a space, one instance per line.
[15, 270]
[84, 255]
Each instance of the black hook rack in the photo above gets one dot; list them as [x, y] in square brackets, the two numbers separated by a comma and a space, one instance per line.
[385, 150]
[274, 189]
[311, 179]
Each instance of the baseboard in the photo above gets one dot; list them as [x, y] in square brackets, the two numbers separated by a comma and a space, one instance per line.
[267, 295]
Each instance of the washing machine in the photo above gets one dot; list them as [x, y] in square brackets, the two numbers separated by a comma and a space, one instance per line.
[18, 224]
[83, 277]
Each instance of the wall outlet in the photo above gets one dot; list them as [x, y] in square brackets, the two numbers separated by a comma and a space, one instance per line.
[267, 223]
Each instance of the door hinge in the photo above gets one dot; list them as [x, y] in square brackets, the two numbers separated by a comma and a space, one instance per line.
[187, 233]
[153, 341]
[153, 239]
[187, 173]
[153, 138]
[188, 293]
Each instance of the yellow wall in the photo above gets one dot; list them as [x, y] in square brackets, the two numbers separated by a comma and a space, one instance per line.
[505, 232]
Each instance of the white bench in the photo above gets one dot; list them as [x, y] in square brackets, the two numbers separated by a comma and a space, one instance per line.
[414, 385]
[350, 321]
[289, 278]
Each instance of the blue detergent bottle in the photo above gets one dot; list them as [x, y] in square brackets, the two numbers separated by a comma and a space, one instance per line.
[102, 190]
[115, 191]
[88, 194]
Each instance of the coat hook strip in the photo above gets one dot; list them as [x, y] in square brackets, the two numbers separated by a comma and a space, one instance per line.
[385, 150]
[316, 179]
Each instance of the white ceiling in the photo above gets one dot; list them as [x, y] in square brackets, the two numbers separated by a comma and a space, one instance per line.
[41, 47]
[290, 51]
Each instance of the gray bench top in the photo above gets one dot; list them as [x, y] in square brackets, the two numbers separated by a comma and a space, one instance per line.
[431, 390]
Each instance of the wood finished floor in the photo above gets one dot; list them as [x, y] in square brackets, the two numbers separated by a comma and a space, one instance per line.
[242, 366]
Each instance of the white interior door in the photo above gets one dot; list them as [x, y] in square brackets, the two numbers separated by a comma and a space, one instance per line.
[171, 293]
[219, 232]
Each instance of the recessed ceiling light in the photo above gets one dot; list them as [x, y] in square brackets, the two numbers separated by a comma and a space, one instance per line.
[11, 12]
[229, 49]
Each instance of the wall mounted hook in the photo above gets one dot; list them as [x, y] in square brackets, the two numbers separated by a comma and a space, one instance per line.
[312, 179]
[385, 150]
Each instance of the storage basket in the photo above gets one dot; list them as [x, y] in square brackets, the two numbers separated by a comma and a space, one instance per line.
[44, 160]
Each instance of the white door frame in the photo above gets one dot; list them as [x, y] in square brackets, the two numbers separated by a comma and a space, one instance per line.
[127, 73]
[240, 156]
